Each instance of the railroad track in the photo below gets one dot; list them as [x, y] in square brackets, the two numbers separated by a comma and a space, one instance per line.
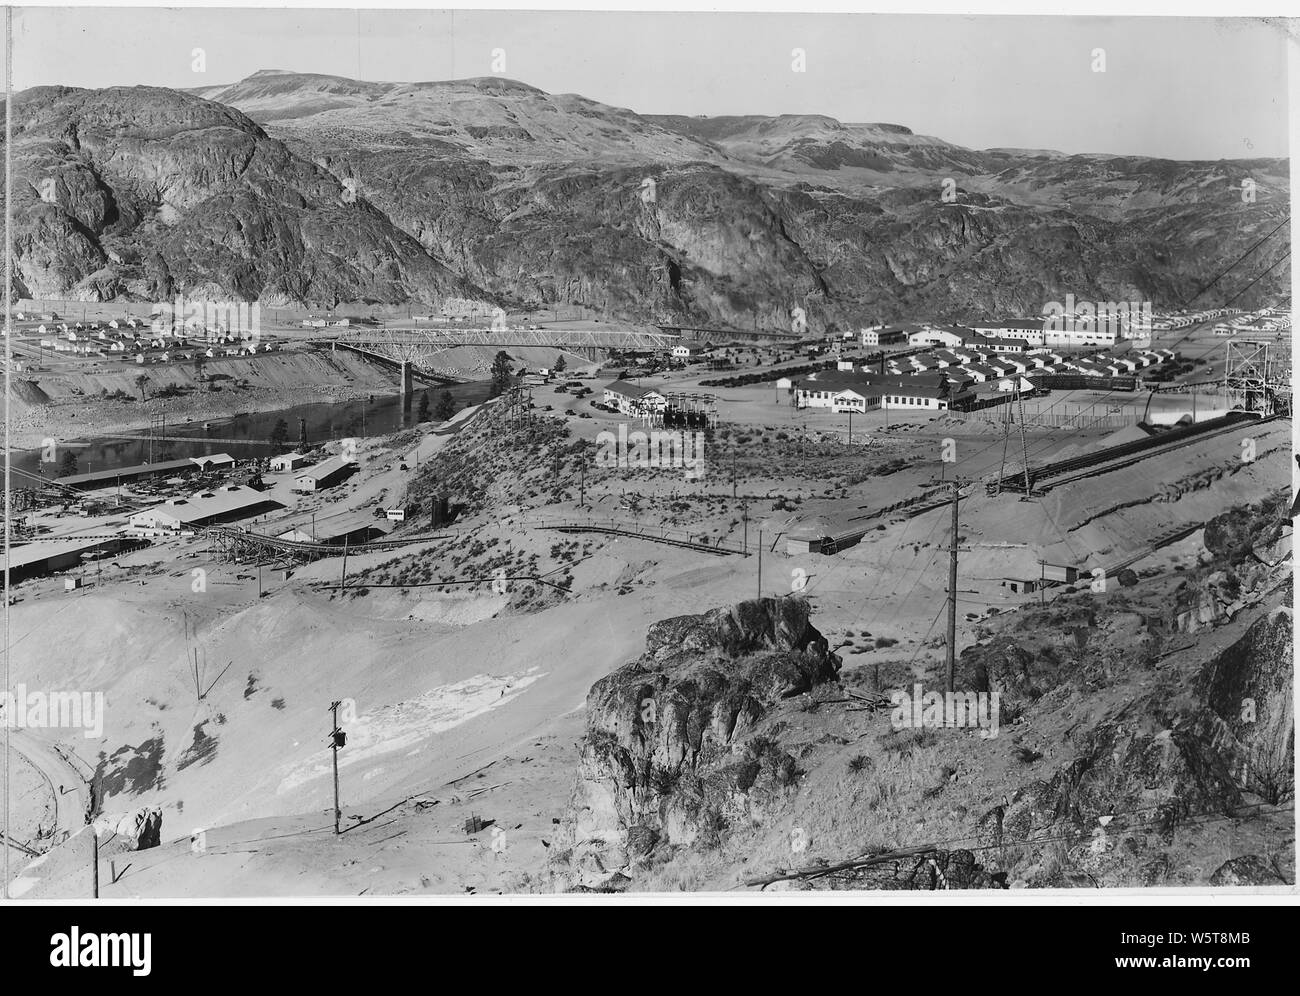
[307, 547]
[610, 530]
[1126, 454]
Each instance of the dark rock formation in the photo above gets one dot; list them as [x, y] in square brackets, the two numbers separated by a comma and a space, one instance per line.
[668, 754]
[1249, 869]
[1249, 714]
[153, 192]
[930, 871]
[1005, 666]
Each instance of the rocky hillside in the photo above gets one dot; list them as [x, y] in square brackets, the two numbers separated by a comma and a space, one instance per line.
[147, 193]
[490, 118]
[797, 142]
[308, 189]
[738, 749]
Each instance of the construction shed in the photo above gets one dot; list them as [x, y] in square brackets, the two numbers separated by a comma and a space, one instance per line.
[288, 462]
[227, 504]
[812, 535]
[107, 478]
[352, 528]
[47, 556]
[213, 461]
[326, 474]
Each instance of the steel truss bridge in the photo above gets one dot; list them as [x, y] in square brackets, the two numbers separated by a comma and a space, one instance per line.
[419, 346]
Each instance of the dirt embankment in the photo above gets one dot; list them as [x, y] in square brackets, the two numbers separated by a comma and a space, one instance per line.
[67, 404]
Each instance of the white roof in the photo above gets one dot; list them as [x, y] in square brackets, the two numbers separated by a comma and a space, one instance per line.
[208, 504]
[325, 468]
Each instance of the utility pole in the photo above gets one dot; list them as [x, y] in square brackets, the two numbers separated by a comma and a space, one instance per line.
[760, 563]
[1024, 446]
[582, 476]
[337, 739]
[952, 593]
[1006, 438]
[94, 850]
[343, 582]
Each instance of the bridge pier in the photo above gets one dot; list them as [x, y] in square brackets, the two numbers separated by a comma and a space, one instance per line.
[407, 385]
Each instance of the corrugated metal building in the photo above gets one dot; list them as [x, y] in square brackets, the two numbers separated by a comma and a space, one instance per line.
[324, 475]
[227, 504]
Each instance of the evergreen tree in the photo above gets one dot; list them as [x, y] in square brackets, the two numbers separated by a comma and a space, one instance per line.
[422, 413]
[280, 436]
[502, 375]
[446, 406]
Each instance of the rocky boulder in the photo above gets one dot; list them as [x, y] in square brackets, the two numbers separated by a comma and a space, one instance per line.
[750, 627]
[670, 753]
[1249, 714]
[136, 830]
[1004, 666]
[1249, 870]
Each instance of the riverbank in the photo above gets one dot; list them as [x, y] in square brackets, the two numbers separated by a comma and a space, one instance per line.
[85, 418]
[75, 404]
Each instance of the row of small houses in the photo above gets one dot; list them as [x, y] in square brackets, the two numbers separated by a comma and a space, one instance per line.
[157, 351]
[1164, 323]
[983, 367]
[157, 339]
[1020, 334]
[948, 387]
[1015, 335]
[1265, 323]
[156, 327]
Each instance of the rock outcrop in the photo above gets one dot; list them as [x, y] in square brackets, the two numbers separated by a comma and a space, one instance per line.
[136, 830]
[931, 871]
[1249, 714]
[669, 754]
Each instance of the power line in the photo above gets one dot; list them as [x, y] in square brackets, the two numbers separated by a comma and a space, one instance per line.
[1280, 259]
[1235, 263]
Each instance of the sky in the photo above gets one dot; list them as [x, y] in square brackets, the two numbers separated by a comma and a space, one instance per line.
[1179, 88]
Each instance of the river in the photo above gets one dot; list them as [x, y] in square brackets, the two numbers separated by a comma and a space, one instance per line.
[329, 420]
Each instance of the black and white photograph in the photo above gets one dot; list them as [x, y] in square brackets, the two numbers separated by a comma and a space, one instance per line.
[624, 456]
